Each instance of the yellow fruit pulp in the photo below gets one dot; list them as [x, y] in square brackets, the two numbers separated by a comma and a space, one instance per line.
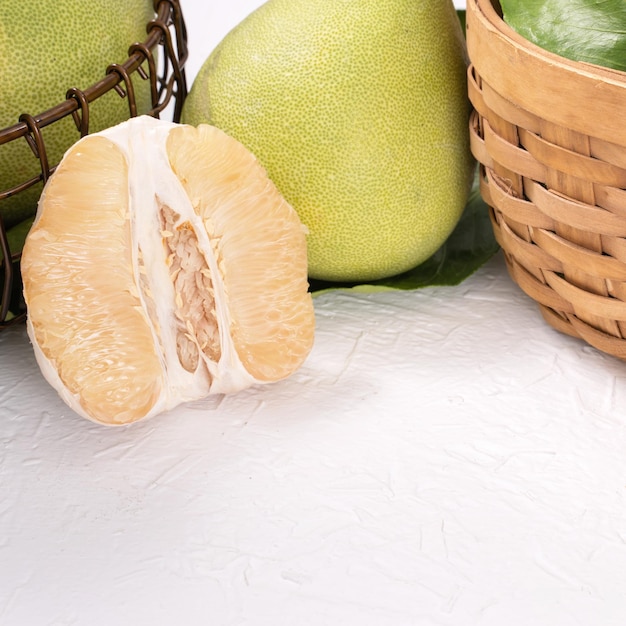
[85, 311]
[359, 112]
[259, 244]
[156, 277]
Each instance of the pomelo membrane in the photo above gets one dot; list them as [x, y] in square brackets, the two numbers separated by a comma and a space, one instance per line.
[163, 266]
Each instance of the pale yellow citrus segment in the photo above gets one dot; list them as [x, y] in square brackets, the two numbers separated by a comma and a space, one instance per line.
[84, 309]
[260, 246]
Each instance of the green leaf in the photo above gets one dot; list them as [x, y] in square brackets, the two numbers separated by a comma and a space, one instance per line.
[17, 235]
[581, 30]
[470, 245]
[461, 13]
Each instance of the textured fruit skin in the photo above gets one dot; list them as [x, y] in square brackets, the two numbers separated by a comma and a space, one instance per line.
[47, 47]
[359, 112]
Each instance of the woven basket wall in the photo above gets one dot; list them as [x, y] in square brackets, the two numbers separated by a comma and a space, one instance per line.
[550, 136]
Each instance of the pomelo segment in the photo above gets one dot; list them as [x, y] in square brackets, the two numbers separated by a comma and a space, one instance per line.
[251, 228]
[163, 266]
[85, 314]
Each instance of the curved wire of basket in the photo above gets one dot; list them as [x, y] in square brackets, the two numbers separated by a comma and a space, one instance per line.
[164, 52]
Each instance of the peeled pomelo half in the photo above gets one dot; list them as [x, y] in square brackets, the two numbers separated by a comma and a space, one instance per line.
[163, 265]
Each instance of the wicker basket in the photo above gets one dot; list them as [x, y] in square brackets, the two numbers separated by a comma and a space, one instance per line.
[550, 137]
[160, 60]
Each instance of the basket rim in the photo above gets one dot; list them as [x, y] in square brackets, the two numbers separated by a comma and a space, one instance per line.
[115, 77]
[576, 95]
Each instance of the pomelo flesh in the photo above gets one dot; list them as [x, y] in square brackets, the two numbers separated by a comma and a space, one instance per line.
[163, 265]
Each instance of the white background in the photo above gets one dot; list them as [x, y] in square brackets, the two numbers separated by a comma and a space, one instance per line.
[443, 458]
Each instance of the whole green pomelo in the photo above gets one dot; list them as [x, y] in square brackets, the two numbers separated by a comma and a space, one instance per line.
[47, 47]
[358, 109]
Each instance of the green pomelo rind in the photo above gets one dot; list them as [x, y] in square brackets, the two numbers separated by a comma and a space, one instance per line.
[359, 113]
[48, 47]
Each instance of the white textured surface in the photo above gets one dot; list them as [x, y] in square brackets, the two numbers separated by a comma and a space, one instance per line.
[443, 457]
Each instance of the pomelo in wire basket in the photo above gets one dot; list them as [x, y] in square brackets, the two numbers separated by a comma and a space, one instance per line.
[47, 47]
[163, 265]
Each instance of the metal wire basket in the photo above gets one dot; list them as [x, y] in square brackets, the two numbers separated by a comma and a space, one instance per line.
[160, 59]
